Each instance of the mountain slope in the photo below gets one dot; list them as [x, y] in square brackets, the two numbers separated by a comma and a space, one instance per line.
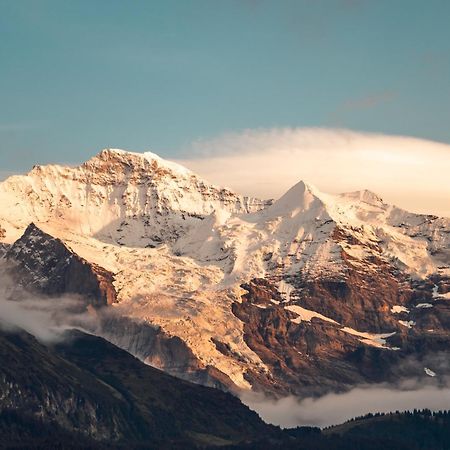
[52, 268]
[306, 230]
[87, 386]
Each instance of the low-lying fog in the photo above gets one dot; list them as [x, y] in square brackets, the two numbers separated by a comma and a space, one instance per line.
[332, 409]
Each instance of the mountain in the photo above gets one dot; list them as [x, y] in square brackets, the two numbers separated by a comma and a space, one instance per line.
[303, 295]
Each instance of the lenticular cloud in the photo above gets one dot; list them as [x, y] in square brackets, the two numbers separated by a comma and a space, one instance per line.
[409, 172]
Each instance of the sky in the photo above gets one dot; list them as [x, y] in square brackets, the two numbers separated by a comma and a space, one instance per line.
[79, 76]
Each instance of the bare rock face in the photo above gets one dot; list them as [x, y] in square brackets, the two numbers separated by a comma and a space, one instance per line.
[314, 355]
[48, 266]
[155, 347]
[361, 299]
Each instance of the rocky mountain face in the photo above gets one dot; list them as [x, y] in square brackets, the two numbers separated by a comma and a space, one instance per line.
[310, 353]
[307, 294]
[43, 263]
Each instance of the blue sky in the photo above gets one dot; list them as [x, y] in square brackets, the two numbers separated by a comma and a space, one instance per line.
[78, 76]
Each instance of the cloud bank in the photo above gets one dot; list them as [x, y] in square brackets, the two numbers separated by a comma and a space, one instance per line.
[333, 409]
[411, 173]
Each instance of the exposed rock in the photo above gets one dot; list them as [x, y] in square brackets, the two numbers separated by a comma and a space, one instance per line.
[154, 347]
[360, 298]
[315, 355]
[46, 264]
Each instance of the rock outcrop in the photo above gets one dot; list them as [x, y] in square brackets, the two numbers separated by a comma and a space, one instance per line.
[45, 264]
[310, 353]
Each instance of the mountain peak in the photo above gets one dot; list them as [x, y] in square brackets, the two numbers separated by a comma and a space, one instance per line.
[365, 196]
[132, 198]
[302, 189]
[148, 160]
[300, 197]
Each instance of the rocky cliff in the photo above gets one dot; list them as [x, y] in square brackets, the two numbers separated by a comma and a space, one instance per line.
[43, 263]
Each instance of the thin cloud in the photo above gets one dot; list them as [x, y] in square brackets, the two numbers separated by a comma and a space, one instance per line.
[364, 103]
[46, 318]
[369, 101]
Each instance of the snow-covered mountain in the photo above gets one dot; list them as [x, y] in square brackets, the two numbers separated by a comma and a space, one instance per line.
[310, 292]
[122, 197]
[306, 230]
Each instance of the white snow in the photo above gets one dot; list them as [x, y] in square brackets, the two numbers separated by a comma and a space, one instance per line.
[438, 295]
[376, 340]
[397, 309]
[424, 305]
[129, 198]
[306, 314]
[261, 306]
[118, 197]
[285, 289]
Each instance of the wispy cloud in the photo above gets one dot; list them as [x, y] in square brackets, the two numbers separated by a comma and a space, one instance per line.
[409, 172]
[8, 127]
[46, 318]
[359, 104]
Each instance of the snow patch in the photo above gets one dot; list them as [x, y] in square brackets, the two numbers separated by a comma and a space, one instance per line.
[376, 340]
[306, 314]
[438, 295]
[285, 289]
[397, 309]
[261, 306]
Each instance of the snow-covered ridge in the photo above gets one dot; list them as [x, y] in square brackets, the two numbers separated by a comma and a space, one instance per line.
[308, 231]
[123, 197]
